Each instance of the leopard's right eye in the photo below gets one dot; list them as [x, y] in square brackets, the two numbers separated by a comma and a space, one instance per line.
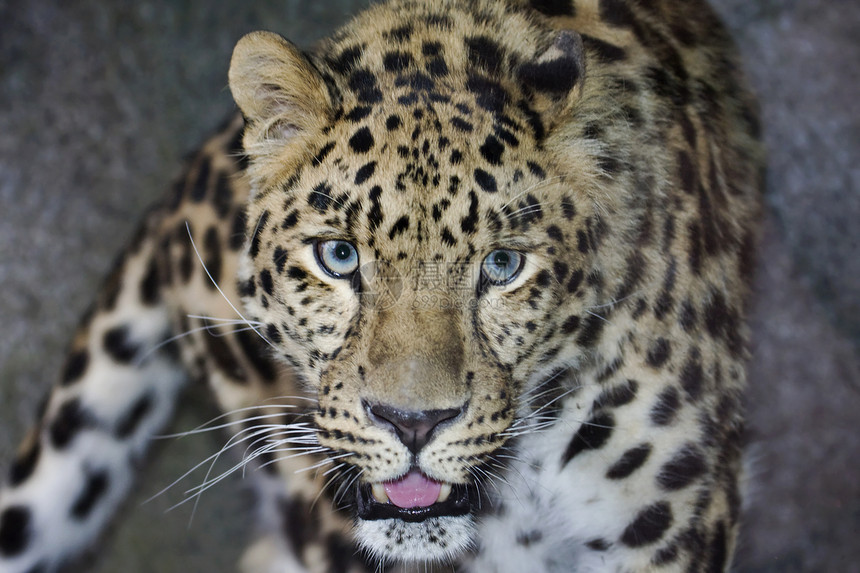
[336, 257]
[502, 266]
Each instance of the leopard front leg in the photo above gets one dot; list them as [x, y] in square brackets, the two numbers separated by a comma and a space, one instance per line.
[116, 390]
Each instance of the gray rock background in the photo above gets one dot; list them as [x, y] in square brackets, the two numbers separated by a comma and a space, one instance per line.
[100, 100]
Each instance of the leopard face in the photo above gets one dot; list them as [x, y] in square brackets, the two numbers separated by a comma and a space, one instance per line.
[418, 262]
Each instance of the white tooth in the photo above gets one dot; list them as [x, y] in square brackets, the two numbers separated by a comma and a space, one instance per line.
[444, 492]
[379, 494]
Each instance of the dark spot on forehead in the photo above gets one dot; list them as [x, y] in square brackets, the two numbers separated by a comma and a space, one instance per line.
[399, 227]
[485, 181]
[448, 238]
[363, 83]
[320, 197]
[417, 81]
[365, 172]
[393, 122]
[489, 95]
[290, 220]
[484, 54]
[322, 153]
[530, 209]
[374, 216]
[468, 224]
[492, 150]
[358, 113]
[396, 61]
[361, 141]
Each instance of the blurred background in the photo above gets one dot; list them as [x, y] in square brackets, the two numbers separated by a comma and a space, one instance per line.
[99, 102]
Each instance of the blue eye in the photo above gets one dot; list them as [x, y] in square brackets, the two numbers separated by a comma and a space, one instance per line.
[337, 258]
[502, 266]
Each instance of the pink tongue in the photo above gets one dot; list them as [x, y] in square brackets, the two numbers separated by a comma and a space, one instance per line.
[413, 490]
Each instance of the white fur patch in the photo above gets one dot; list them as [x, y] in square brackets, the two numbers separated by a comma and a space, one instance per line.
[438, 539]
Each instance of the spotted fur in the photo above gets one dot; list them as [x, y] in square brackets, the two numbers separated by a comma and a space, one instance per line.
[584, 406]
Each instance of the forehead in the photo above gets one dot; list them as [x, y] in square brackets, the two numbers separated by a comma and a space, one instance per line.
[427, 142]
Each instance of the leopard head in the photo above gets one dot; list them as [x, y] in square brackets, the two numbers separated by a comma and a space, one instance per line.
[417, 252]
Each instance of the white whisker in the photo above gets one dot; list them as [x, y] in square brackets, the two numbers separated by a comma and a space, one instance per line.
[218, 288]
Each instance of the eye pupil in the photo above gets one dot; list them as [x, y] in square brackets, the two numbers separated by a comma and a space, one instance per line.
[501, 259]
[342, 251]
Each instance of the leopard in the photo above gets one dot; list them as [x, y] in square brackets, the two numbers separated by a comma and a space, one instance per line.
[469, 281]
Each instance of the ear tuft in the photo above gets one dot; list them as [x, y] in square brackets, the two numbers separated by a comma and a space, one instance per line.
[555, 76]
[278, 90]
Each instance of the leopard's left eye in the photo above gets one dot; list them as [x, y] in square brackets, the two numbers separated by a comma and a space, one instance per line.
[337, 258]
[502, 266]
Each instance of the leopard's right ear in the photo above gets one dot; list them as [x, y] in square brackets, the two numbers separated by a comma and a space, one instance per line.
[278, 90]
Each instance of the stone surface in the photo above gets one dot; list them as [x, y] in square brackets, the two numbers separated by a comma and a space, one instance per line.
[102, 99]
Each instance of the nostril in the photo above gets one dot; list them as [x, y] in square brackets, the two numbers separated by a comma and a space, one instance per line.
[413, 427]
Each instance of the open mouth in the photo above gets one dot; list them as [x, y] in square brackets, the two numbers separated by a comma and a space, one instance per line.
[412, 498]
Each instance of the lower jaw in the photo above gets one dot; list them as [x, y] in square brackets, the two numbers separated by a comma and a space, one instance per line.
[434, 540]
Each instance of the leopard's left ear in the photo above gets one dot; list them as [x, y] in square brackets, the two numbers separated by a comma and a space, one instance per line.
[555, 77]
[278, 90]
